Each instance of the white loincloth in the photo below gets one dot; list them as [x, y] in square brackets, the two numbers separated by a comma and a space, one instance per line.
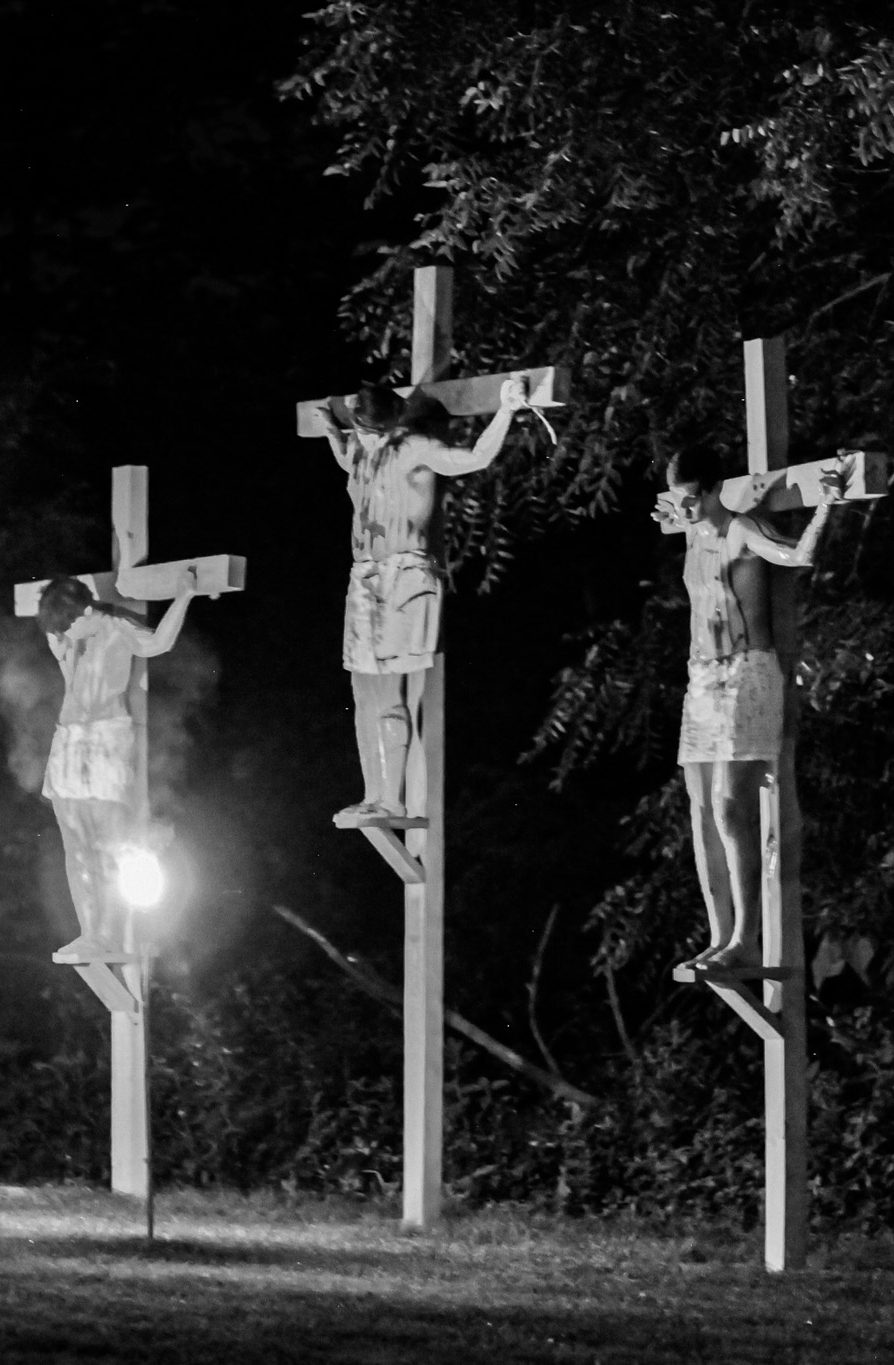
[732, 711]
[392, 614]
[92, 760]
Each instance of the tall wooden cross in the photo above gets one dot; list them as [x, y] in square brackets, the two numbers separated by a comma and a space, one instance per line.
[121, 980]
[778, 1017]
[418, 858]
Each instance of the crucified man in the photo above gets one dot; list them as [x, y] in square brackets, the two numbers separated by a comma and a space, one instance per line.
[733, 709]
[91, 771]
[392, 456]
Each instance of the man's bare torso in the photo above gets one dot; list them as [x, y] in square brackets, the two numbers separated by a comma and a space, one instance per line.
[394, 499]
[729, 591]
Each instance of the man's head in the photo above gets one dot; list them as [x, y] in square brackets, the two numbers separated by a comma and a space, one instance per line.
[62, 601]
[694, 476]
[376, 408]
[425, 416]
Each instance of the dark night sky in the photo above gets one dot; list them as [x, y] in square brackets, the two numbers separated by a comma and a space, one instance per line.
[172, 260]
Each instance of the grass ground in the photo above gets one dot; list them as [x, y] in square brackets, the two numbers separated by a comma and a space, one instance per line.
[228, 1279]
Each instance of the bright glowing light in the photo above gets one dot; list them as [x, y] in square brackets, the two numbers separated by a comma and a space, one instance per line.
[140, 878]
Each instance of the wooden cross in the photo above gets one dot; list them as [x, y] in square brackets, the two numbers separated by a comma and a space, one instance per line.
[778, 1017]
[419, 858]
[121, 981]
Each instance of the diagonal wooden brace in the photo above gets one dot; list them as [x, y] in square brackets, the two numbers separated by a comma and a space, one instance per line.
[109, 987]
[743, 1002]
[394, 851]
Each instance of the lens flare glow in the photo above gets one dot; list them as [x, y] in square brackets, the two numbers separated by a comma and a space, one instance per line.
[141, 880]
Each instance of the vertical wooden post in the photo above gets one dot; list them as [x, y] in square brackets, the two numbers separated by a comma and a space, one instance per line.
[424, 903]
[785, 1058]
[121, 980]
[130, 1142]
[766, 403]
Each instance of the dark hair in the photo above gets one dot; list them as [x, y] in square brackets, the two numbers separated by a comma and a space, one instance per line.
[377, 407]
[425, 416]
[62, 601]
[696, 464]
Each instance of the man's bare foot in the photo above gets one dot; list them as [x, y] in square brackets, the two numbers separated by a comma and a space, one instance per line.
[359, 808]
[703, 956]
[366, 811]
[733, 955]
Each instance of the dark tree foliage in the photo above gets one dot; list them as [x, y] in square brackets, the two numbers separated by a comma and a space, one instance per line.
[631, 190]
[627, 189]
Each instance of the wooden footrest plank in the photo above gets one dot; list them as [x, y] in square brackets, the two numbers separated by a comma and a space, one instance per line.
[693, 975]
[341, 821]
[118, 956]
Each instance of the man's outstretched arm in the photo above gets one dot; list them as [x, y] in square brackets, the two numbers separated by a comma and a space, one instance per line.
[338, 441]
[149, 643]
[799, 555]
[455, 460]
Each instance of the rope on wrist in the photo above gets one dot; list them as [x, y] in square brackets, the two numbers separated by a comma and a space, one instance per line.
[538, 412]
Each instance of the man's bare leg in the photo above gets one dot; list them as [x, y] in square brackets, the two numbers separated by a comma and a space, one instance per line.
[111, 825]
[710, 859]
[366, 728]
[83, 871]
[736, 793]
[382, 724]
[394, 741]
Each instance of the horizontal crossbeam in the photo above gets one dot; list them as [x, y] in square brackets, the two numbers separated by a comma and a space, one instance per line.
[799, 485]
[158, 582]
[215, 574]
[548, 387]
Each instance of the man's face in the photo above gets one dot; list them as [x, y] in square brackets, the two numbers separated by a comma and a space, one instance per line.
[83, 625]
[689, 500]
[367, 437]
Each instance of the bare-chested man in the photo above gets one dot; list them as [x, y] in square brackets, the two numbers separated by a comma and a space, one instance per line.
[394, 594]
[733, 709]
[91, 771]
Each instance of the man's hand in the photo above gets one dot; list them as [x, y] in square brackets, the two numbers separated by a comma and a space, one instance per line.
[666, 512]
[328, 420]
[834, 480]
[188, 582]
[514, 394]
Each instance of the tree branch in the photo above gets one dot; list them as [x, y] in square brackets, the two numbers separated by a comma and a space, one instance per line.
[536, 968]
[869, 517]
[609, 974]
[851, 294]
[373, 984]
